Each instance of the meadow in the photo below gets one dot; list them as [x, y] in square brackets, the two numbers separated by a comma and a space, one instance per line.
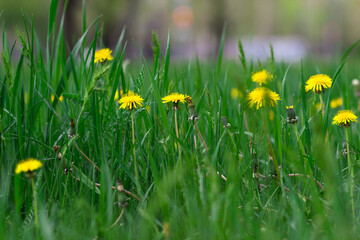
[217, 161]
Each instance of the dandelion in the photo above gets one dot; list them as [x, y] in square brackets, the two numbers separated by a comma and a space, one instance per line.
[338, 102]
[175, 98]
[262, 97]
[61, 98]
[261, 77]
[234, 93]
[118, 94]
[318, 83]
[131, 101]
[102, 55]
[344, 118]
[28, 166]
[116, 97]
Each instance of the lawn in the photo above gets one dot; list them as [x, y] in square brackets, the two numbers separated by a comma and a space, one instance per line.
[232, 155]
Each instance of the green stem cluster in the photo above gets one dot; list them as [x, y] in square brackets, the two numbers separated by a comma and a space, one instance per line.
[134, 152]
[351, 173]
[308, 168]
[35, 203]
[276, 165]
[177, 132]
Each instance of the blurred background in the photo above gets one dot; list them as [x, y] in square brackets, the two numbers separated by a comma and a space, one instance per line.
[296, 28]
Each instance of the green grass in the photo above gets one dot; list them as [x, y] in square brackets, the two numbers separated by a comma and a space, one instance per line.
[229, 191]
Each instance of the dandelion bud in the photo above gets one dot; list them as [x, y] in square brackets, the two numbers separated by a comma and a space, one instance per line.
[120, 186]
[192, 111]
[291, 115]
[356, 84]
[225, 122]
[72, 130]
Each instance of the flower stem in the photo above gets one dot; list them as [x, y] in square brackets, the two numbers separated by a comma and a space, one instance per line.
[322, 105]
[201, 138]
[308, 168]
[35, 203]
[134, 152]
[351, 172]
[271, 150]
[177, 132]
[299, 140]
[233, 142]
[87, 158]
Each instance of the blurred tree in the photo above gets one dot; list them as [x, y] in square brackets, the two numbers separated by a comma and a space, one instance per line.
[71, 26]
[217, 21]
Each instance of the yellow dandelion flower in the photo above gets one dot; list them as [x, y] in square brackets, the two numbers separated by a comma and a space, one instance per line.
[130, 101]
[102, 55]
[262, 97]
[338, 102]
[117, 94]
[344, 118]
[28, 165]
[175, 98]
[261, 77]
[318, 83]
[234, 93]
[61, 98]
[116, 97]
